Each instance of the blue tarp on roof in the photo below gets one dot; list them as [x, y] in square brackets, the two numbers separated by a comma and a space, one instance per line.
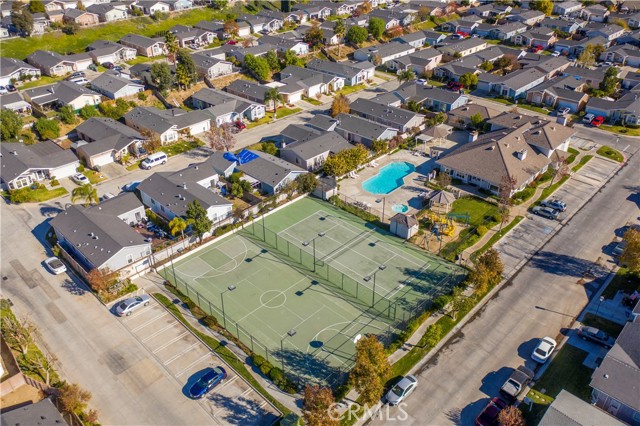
[246, 156]
[230, 156]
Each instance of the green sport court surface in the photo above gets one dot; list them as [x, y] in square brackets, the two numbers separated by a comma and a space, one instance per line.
[277, 289]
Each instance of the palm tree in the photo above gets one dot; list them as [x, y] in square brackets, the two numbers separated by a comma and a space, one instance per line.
[87, 193]
[406, 75]
[171, 42]
[273, 95]
[339, 30]
[176, 225]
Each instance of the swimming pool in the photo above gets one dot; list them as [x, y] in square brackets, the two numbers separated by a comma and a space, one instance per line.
[390, 178]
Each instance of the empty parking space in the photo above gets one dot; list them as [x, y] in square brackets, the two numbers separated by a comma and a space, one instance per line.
[230, 403]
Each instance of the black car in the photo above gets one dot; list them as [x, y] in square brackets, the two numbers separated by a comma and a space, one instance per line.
[597, 336]
[11, 88]
[108, 65]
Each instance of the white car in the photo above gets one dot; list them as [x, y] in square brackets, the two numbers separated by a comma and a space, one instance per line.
[106, 196]
[3, 90]
[401, 390]
[556, 53]
[543, 351]
[80, 179]
[564, 111]
[55, 265]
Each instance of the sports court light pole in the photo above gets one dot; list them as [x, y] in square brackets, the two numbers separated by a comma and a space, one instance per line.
[368, 278]
[224, 317]
[313, 243]
[290, 333]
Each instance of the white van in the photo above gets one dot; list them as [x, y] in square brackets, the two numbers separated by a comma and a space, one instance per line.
[80, 80]
[153, 160]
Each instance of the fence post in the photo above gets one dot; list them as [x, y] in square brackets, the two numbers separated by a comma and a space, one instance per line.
[251, 338]
[210, 308]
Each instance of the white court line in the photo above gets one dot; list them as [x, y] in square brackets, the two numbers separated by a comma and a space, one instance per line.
[168, 343]
[173, 358]
[143, 325]
[316, 213]
[261, 305]
[207, 355]
[151, 336]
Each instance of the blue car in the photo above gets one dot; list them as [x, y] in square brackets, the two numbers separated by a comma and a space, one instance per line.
[207, 382]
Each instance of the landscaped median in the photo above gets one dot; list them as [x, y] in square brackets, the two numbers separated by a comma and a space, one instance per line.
[497, 236]
[282, 113]
[584, 160]
[610, 153]
[37, 195]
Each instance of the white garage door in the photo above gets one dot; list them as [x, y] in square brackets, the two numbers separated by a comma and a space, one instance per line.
[200, 127]
[65, 171]
[102, 159]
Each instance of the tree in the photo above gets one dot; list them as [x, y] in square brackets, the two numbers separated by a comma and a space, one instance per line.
[487, 271]
[47, 129]
[610, 82]
[71, 28]
[414, 106]
[379, 146]
[505, 190]
[340, 105]
[433, 335]
[469, 80]
[171, 43]
[588, 57]
[273, 61]
[507, 61]
[44, 362]
[364, 8]
[511, 416]
[231, 27]
[544, 6]
[476, 120]
[20, 333]
[487, 66]
[357, 35]
[376, 27]
[406, 75]
[220, 4]
[272, 95]
[395, 142]
[423, 13]
[319, 407]
[561, 170]
[269, 147]
[290, 58]
[101, 280]
[87, 193]
[459, 302]
[177, 225]
[88, 111]
[80, 5]
[67, 114]
[370, 371]
[444, 180]
[22, 19]
[258, 66]
[161, 76]
[186, 73]
[36, 6]
[306, 183]
[221, 138]
[200, 221]
[10, 124]
[630, 256]
[314, 36]
[339, 30]
[73, 398]
[237, 190]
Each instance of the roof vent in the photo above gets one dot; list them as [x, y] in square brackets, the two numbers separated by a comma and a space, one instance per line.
[184, 185]
[95, 237]
[522, 154]
[91, 234]
[196, 167]
[518, 117]
[14, 152]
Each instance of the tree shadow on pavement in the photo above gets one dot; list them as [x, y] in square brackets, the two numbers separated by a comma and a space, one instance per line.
[73, 287]
[560, 264]
[242, 411]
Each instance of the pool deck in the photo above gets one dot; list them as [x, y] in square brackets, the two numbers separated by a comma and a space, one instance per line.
[408, 194]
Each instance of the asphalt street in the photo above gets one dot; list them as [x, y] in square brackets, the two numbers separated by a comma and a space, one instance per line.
[541, 300]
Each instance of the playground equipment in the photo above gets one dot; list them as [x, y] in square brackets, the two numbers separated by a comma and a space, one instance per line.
[444, 225]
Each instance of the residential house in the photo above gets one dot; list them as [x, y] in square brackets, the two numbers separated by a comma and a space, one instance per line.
[209, 66]
[383, 53]
[284, 43]
[415, 40]
[144, 46]
[103, 141]
[177, 5]
[630, 79]
[625, 54]
[507, 31]
[313, 83]
[625, 110]
[560, 93]
[215, 27]
[311, 154]
[464, 47]
[4, 32]
[420, 62]
[434, 38]
[193, 38]
[595, 13]
[97, 237]
[551, 65]
[242, 52]
[461, 117]
[568, 408]
[322, 122]
[615, 381]
[514, 85]
[571, 9]
[400, 119]
[113, 87]
[84, 18]
[54, 64]
[483, 11]
[256, 23]
[167, 124]
[109, 12]
[353, 73]
[40, 23]
[102, 51]
[23, 165]
[225, 107]
[570, 27]
[276, 19]
[356, 130]
[249, 90]
[454, 70]
[466, 26]
[535, 39]
[523, 152]
[61, 94]
[149, 7]
[433, 98]
[16, 70]
[392, 18]
[267, 173]
[529, 17]
[169, 194]
[585, 75]
[634, 21]
[29, 413]
[609, 32]
[15, 102]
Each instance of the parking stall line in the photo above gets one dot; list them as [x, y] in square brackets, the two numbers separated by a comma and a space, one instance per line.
[203, 357]
[151, 336]
[168, 343]
[143, 325]
[175, 357]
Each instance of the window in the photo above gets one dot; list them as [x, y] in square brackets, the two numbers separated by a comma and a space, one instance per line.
[129, 258]
[162, 208]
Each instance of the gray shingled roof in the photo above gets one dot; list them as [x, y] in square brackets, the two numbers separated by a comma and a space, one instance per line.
[111, 83]
[344, 69]
[148, 118]
[11, 65]
[389, 113]
[45, 58]
[327, 142]
[17, 158]
[106, 134]
[569, 410]
[42, 413]
[268, 169]
[222, 103]
[361, 126]
[139, 40]
[63, 91]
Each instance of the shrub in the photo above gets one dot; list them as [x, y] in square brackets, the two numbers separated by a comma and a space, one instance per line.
[258, 360]
[440, 302]
[481, 230]
[210, 321]
[266, 369]
[54, 182]
[80, 168]
[142, 96]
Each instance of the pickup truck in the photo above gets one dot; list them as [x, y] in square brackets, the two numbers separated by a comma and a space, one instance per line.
[516, 382]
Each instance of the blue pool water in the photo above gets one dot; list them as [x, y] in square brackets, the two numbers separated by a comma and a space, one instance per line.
[400, 208]
[390, 178]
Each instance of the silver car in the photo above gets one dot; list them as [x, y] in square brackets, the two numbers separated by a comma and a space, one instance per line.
[401, 390]
[55, 265]
[127, 306]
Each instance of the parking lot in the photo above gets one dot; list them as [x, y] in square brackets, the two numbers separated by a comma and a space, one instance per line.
[232, 402]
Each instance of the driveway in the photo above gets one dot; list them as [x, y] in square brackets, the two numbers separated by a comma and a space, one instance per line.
[185, 357]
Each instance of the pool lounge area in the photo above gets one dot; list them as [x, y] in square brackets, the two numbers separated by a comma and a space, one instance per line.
[389, 178]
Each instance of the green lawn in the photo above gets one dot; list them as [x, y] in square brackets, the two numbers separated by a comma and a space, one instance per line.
[610, 153]
[628, 131]
[347, 90]
[312, 101]
[548, 190]
[28, 195]
[535, 109]
[134, 166]
[62, 43]
[180, 147]
[584, 160]
[611, 328]
[524, 195]
[565, 372]
[623, 281]
[93, 176]
[573, 153]
[282, 112]
[42, 81]
[425, 25]
[144, 59]
[479, 211]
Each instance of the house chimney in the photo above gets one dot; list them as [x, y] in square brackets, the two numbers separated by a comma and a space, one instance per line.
[473, 136]
[522, 154]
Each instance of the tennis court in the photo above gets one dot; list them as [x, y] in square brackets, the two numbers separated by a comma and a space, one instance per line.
[307, 280]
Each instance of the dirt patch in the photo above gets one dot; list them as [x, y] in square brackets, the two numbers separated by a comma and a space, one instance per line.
[222, 82]
[149, 99]
[20, 396]
[177, 97]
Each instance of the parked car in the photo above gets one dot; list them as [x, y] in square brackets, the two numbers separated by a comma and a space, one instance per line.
[518, 380]
[55, 265]
[564, 111]
[597, 336]
[547, 212]
[80, 179]
[231, 42]
[401, 390]
[555, 53]
[536, 48]
[80, 80]
[454, 86]
[489, 416]
[588, 118]
[108, 65]
[130, 187]
[11, 88]
[118, 68]
[154, 160]
[555, 204]
[77, 74]
[132, 304]
[597, 122]
[3, 90]
[421, 81]
[240, 125]
[106, 196]
[207, 382]
[619, 248]
[92, 67]
[543, 350]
